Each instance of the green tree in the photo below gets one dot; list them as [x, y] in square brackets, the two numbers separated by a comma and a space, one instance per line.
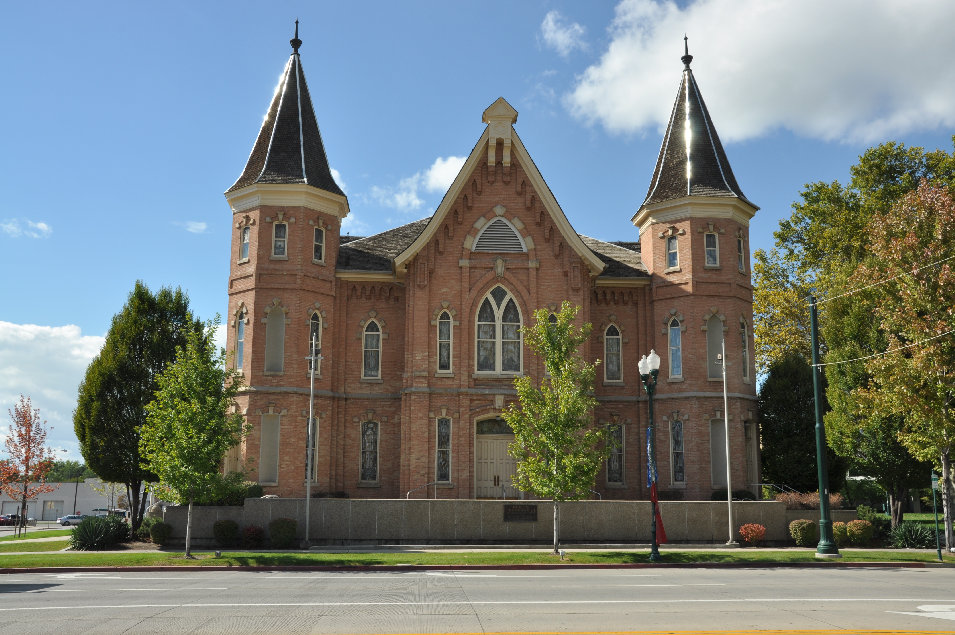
[913, 264]
[121, 380]
[192, 422]
[787, 428]
[69, 471]
[557, 445]
[30, 458]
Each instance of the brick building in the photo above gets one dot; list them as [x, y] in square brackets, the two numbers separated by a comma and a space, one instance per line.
[418, 326]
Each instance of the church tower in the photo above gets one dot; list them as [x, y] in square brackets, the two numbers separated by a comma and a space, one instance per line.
[694, 238]
[287, 211]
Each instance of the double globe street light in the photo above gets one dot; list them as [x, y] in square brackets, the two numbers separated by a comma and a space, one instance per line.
[649, 367]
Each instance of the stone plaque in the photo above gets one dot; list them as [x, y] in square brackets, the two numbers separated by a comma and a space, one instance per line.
[520, 513]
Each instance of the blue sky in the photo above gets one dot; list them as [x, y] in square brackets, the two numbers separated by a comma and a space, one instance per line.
[125, 122]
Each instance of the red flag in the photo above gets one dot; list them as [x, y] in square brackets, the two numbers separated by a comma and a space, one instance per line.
[661, 532]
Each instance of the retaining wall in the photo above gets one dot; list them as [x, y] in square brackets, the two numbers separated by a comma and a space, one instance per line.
[450, 521]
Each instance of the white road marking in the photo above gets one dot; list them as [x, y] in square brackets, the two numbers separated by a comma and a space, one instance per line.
[938, 611]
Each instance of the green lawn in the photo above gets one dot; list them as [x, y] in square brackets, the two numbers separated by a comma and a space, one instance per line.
[204, 558]
[52, 545]
[46, 533]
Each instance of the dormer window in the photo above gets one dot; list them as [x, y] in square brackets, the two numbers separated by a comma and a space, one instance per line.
[279, 240]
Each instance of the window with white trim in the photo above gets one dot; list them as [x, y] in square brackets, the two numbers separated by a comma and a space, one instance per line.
[239, 339]
[279, 240]
[315, 341]
[318, 245]
[677, 467]
[268, 467]
[612, 346]
[615, 458]
[673, 256]
[244, 243]
[369, 452]
[371, 351]
[498, 336]
[744, 349]
[711, 248]
[740, 257]
[275, 340]
[444, 342]
[442, 459]
[675, 346]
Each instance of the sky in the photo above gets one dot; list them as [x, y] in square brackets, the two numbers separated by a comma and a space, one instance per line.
[124, 123]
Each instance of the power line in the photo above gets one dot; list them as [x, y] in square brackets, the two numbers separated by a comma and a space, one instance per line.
[900, 348]
[875, 284]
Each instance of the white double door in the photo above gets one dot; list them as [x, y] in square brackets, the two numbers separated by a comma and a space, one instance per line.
[494, 467]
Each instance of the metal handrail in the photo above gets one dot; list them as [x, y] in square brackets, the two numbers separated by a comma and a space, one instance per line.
[782, 488]
[408, 494]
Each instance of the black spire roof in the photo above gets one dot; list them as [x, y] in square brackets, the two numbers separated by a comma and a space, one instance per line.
[692, 161]
[289, 147]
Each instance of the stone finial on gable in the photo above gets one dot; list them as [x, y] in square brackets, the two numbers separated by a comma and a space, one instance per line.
[499, 117]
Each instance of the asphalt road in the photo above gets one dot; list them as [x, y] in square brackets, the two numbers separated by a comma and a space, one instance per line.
[481, 601]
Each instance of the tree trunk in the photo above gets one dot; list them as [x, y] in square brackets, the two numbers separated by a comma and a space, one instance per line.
[135, 513]
[22, 524]
[947, 499]
[556, 528]
[896, 497]
[189, 530]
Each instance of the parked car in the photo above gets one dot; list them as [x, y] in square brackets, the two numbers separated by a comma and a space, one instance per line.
[15, 520]
[5, 520]
[71, 519]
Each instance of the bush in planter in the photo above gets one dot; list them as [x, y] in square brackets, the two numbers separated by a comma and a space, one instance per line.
[282, 532]
[752, 533]
[860, 532]
[160, 532]
[804, 532]
[142, 534]
[839, 534]
[226, 533]
[253, 537]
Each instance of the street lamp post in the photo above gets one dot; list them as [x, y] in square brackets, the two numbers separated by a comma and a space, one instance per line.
[649, 367]
[313, 358]
[721, 360]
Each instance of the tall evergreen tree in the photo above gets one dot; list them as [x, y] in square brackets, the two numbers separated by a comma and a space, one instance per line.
[121, 380]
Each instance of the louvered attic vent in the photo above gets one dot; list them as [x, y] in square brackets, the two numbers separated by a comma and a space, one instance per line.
[499, 236]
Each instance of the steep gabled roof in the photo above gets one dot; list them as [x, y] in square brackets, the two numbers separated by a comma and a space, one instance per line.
[692, 161]
[377, 253]
[622, 259]
[289, 147]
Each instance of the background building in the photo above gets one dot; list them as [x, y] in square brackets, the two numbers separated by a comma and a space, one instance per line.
[418, 327]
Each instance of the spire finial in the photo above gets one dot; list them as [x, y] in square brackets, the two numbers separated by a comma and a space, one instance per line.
[295, 42]
[687, 58]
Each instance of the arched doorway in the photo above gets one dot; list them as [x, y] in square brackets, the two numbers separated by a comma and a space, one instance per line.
[494, 467]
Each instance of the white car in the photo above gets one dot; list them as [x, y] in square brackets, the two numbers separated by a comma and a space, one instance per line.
[72, 519]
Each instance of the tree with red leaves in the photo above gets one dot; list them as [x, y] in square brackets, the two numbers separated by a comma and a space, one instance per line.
[30, 460]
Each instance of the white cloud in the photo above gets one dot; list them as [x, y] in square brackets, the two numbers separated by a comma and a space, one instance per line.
[437, 178]
[861, 70]
[47, 364]
[338, 179]
[560, 36]
[195, 227]
[23, 228]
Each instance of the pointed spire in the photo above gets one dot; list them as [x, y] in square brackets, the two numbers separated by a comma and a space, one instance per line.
[295, 42]
[692, 161]
[289, 148]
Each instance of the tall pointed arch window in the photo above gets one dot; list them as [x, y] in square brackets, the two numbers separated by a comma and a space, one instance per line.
[498, 333]
[744, 349]
[675, 342]
[677, 466]
[612, 345]
[444, 342]
[244, 243]
[442, 458]
[615, 458]
[314, 342]
[240, 318]
[714, 347]
[368, 469]
[275, 340]
[371, 351]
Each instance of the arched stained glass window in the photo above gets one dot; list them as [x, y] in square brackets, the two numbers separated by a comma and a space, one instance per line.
[612, 343]
[371, 351]
[498, 337]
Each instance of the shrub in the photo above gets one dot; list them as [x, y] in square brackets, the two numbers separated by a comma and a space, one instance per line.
[738, 495]
[253, 537]
[231, 489]
[839, 534]
[804, 532]
[860, 532]
[96, 533]
[160, 532]
[282, 532]
[912, 535]
[226, 533]
[142, 534]
[797, 500]
[881, 524]
[752, 533]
